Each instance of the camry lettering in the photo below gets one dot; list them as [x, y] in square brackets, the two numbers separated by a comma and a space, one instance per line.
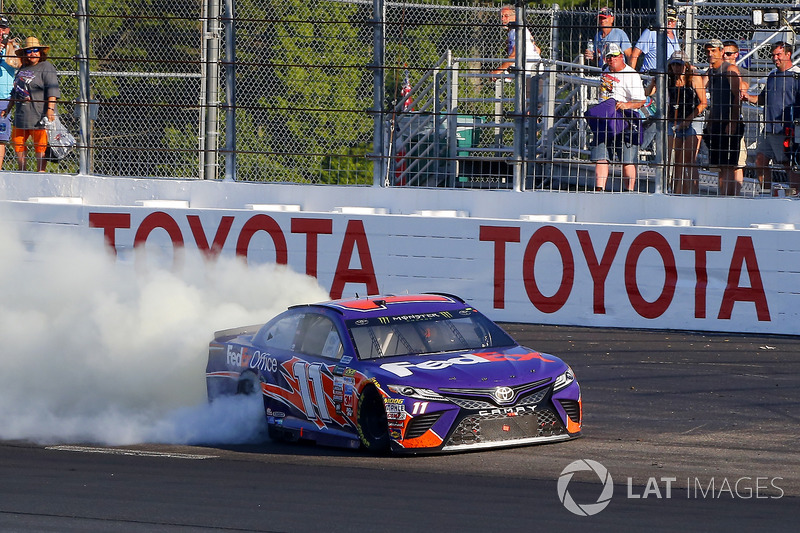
[508, 411]
[401, 368]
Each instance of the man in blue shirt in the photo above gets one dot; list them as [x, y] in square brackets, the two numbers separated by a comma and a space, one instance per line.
[648, 42]
[780, 99]
[607, 34]
[9, 63]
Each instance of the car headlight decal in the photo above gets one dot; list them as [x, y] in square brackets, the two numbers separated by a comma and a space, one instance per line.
[416, 392]
[564, 379]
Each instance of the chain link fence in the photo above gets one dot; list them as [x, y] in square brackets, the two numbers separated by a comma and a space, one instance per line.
[303, 92]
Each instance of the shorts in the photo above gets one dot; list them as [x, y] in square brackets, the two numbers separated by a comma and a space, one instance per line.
[616, 150]
[695, 128]
[771, 145]
[5, 123]
[723, 149]
[742, 162]
[19, 136]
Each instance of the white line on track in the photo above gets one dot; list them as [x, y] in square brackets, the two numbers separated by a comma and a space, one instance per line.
[121, 451]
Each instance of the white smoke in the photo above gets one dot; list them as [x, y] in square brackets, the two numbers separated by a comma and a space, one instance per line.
[94, 350]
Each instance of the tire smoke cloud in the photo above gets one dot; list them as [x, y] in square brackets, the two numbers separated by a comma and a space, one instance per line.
[95, 350]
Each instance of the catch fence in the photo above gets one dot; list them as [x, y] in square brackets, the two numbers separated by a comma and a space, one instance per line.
[362, 92]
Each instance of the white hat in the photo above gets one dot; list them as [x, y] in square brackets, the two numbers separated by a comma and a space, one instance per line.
[612, 49]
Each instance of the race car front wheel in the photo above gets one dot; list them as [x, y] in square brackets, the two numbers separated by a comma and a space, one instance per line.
[373, 429]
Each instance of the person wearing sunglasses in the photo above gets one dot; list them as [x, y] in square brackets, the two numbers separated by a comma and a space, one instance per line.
[9, 63]
[730, 54]
[647, 45]
[34, 99]
[724, 128]
[621, 86]
[607, 34]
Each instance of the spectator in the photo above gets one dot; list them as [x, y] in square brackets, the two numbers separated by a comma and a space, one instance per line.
[648, 42]
[34, 99]
[780, 98]
[730, 54]
[686, 93]
[622, 84]
[508, 19]
[607, 34]
[9, 63]
[724, 128]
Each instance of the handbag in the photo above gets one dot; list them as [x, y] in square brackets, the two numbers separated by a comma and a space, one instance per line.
[60, 141]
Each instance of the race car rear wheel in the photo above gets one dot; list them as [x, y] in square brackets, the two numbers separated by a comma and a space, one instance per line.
[248, 384]
[373, 429]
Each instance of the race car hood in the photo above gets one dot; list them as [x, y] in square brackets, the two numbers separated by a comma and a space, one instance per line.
[472, 369]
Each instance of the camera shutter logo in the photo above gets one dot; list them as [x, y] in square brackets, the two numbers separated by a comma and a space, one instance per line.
[587, 509]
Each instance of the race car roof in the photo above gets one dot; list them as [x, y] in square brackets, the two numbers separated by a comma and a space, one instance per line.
[388, 305]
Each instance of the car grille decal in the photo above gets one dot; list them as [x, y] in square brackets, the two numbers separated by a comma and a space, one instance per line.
[498, 427]
[475, 399]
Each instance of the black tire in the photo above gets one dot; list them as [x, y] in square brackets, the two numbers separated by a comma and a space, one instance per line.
[373, 428]
[247, 384]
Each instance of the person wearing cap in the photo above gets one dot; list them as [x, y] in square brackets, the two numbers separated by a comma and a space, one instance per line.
[34, 100]
[686, 99]
[508, 18]
[622, 84]
[607, 34]
[781, 100]
[647, 44]
[724, 128]
[9, 63]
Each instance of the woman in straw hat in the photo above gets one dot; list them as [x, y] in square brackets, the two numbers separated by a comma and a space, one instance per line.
[34, 99]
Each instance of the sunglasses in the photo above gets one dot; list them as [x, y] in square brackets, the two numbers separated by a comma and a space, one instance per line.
[32, 51]
[613, 55]
[729, 54]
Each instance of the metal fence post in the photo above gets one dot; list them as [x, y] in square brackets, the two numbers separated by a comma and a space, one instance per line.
[519, 96]
[84, 84]
[379, 165]
[212, 92]
[662, 156]
[230, 91]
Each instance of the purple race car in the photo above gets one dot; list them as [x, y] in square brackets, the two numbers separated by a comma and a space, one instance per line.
[414, 373]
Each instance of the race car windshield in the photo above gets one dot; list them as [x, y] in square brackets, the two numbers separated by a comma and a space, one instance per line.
[424, 334]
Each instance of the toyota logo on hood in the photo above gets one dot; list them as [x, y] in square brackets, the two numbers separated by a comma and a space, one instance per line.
[503, 394]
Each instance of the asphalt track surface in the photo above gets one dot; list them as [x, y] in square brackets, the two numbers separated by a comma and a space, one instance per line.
[699, 432]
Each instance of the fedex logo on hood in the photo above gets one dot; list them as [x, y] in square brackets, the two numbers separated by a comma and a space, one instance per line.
[402, 368]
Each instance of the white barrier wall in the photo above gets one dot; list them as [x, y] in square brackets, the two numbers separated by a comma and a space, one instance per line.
[535, 268]
[641, 276]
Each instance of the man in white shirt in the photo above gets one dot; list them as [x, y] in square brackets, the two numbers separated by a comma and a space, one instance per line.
[623, 84]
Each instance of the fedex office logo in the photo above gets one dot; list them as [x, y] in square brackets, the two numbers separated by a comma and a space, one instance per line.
[401, 368]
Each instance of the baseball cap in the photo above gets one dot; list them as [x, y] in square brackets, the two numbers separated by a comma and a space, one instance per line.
[678, 57]
[605, 12]
[4, 23]
[714, 43]
[613, 49]
[672, 13]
